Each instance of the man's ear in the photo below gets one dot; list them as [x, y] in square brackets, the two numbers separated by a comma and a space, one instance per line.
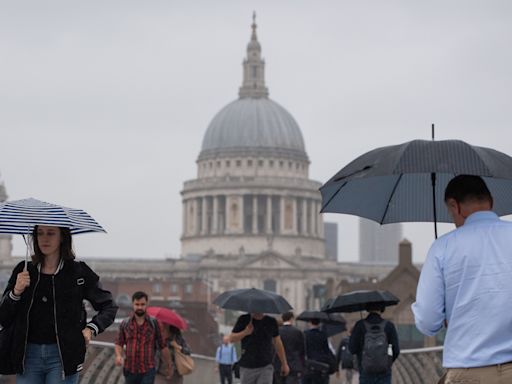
[451, 204]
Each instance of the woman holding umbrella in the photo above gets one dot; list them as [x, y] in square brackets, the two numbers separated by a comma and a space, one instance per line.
[171, 324]
[42, 305]
[176, 342]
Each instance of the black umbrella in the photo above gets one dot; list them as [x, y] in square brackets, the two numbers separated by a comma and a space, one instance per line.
[359, 301]
[313, 315]
[406, 182]
[252, 300]
[332, 323]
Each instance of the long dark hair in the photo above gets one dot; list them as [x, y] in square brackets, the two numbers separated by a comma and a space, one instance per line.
[66, 246]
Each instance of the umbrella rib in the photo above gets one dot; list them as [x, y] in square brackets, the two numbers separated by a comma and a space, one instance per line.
[332, 197]
[390, 198]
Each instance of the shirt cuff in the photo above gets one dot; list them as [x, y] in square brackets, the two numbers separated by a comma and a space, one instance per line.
[14, 296]
[94, 328]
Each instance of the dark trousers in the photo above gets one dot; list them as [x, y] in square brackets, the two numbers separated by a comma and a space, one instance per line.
[382, 378]
[291, 379]
[315, 378]
[140, 378]
[226, 375]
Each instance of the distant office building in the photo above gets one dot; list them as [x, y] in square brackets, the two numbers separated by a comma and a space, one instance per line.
[331, 241]
[378, 244]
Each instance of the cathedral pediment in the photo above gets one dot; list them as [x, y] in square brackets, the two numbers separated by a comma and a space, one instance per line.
[270, 260]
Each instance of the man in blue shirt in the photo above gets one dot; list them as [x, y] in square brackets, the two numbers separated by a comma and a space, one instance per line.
[226, 357]
[466, 285]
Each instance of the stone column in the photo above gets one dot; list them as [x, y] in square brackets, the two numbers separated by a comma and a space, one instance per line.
[304, 229]
[195, 217]
[269, 214]
[319, 220]
[295, 211]
[226, 215]
[255, 214]
[204, 214]
[184, 217]
[215, 217]
[282, 206]
[312, 218]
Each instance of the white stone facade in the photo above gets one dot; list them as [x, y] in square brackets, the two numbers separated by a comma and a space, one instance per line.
[252, 193]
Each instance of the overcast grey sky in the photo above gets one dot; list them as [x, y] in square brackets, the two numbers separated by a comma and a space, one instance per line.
[103, 104]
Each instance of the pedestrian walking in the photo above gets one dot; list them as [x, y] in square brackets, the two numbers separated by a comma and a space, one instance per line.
[225, 357]
[293, 342]
[142, 337]
[465, 286]
[375, 342]
[320, 361]
[259, 335]
[43, 306]
[176, 344]
[345, 360]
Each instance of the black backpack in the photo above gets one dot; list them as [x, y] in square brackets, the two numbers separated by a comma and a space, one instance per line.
[375, 357]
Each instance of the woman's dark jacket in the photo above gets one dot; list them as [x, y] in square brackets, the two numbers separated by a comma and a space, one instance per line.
[74, 281]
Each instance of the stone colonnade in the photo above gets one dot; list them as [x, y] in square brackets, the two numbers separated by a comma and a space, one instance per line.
[255, 214]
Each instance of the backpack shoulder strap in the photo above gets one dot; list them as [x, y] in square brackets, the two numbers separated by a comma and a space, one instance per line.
[156, 328]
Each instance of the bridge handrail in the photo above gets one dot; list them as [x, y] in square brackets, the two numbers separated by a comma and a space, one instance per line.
[404, 351]
[111, 345]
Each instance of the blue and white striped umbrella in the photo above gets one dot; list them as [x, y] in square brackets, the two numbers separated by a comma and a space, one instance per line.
[20, 217]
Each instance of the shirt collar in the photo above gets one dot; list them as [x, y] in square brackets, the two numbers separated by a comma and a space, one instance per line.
[480, 216]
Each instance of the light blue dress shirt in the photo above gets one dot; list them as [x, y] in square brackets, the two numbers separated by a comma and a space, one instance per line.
[467, 281]
[226, 354]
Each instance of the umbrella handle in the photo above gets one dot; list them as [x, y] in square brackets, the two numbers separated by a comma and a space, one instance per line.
[26, 253]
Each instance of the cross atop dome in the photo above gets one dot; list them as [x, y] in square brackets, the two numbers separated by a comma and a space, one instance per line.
[253, 84]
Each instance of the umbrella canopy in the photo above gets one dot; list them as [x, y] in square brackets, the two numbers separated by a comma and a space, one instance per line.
[406, 182]
[312, 315]
[252, 300]
[335, 324]
[359, 300]
[167, 316]
[332, 323]
[20, 217]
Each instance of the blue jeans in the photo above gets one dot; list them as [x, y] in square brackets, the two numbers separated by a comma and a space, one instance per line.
[379, 378]
[140, 378]
[43, 366]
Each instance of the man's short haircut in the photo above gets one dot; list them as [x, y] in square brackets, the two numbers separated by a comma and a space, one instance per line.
[467, 187]
[287, 316]
[139, 295]
[315, 321]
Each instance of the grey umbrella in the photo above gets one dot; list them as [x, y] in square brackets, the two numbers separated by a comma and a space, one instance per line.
[252, 300]
[406, 182]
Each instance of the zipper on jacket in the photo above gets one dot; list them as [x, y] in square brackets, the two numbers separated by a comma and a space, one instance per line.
[56, 329]
[28, 320]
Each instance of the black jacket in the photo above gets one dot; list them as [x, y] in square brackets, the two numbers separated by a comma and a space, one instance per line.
[293, 342]
[73, 282]
[317, 345]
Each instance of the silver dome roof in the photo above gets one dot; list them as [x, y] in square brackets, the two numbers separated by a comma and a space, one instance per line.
[253, 126]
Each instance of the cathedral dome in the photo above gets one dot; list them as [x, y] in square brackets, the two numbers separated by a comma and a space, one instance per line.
[254, 124]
